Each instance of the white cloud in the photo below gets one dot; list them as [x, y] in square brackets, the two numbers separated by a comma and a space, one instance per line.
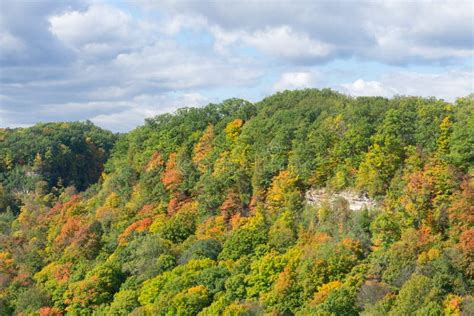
[119, 63]
[98, 24]
[224, 40]
[448, 86]
[295, 80]
[361, 87]
[101, 31]
[168, 66]
[399, 44]
[283, 41]
[390, 31]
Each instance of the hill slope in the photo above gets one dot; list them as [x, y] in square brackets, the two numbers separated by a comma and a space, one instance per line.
[203, 212]
[50, 155]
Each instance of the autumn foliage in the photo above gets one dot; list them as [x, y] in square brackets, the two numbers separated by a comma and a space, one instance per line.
[208, 211]
[172, 176]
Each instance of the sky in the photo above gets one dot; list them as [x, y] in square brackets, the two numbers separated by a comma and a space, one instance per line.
[118, 62]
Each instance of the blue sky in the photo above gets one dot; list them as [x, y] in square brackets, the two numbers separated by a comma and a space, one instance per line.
[118, 62]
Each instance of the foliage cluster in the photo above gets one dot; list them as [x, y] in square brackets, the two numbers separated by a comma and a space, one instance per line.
[202, 212]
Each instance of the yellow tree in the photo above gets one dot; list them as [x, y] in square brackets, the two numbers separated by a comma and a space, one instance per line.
[233, 129]
[156, 161]
[203, 148]
[283, 195]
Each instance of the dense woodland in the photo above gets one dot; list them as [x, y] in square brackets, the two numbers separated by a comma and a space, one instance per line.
[202, 212]
[50, 156]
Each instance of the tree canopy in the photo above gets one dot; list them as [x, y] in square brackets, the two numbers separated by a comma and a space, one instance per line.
[203, 211]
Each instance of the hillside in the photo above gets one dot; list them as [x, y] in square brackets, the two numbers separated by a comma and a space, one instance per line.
[50, 156]
[203, 211]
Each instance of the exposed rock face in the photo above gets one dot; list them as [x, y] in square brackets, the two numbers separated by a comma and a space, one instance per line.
[355, 200]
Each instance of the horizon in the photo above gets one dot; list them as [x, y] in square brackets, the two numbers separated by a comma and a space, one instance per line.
[116, 63]
[174, 111]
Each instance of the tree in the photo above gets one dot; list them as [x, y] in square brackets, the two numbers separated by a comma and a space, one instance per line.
[190, 301]
[54, 278]
[414, 296]
[283, 195]
[388, 151]
[377, 169]
[203, 148]
[264, 273]
[179, 227]
[139, 257]
[209, 248]
[460, 142]
[172, 176]
[125, 301]
[386, 229]
[97, 288]
[202, 211]
[79, 238]
[31, 300]
[233, 129]
[285, 296]
[136, 227]
[282, 233]
[244, 240]
[231, 206]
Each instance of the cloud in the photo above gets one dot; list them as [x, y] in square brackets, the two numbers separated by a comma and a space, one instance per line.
[281, 41]
[448, 86]
[117, 63]
[10, 44]
[176, 23]
[166, 65]
[100, 31]
[98, 24]
[394, 32]
[285, 42]
[361, 87]
[295, 80]
[24, 26]
[144, 106]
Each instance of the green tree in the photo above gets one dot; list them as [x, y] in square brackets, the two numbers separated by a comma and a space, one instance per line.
[415, 295]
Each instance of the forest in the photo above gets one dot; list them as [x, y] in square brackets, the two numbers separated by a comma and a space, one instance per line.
[204, 211]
